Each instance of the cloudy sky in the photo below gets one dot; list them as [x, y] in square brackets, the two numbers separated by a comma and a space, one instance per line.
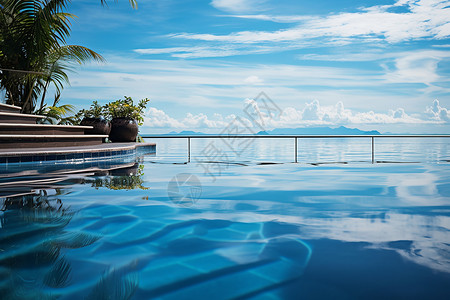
[378, 64]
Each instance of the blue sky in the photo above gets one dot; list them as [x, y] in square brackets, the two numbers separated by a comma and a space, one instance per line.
[381, 65]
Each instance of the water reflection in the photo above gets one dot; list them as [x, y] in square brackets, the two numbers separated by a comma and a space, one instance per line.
[33, 235]
[33, 239]
[259, 230]
[124, 178]
[148, 254]
[404, 209]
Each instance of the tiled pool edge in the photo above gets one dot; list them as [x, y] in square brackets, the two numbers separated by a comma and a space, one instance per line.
[76, 154]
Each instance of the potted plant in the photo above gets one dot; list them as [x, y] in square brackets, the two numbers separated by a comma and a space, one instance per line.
[129, 178]
[125, 118]
[95, 117]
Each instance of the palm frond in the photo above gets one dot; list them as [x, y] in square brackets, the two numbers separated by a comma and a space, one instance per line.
[73, 241]
[59, 274]
[33, 36]
[80, 54]
[115, 285]
[56, 114]
[133, 3]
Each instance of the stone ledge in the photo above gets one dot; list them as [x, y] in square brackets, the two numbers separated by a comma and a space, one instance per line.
[44, 126]
[56, 136]
[10, 108]
[10, 114]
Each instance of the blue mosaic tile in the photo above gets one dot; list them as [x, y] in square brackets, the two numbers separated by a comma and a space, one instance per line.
[13, 159]
[38, 158]
[26, 159]
[78, 155]
[60, 157]
[50, 157]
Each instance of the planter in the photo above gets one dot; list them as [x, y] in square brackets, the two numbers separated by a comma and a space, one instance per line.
[101, 126]
[129, 171]
[123, 130]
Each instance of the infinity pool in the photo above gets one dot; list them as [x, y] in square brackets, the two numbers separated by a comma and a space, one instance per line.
[334, 226]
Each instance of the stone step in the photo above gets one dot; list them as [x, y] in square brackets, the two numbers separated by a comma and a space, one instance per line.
[9, 108]
[8, 117]
[18, 141]
[42, 129]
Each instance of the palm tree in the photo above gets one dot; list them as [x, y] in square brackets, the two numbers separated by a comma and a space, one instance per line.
[33, 239]
[33, 50]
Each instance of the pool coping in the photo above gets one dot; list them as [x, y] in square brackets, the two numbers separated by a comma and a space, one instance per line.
[75, 153]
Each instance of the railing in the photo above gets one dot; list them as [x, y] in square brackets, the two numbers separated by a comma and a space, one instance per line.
[295, 137]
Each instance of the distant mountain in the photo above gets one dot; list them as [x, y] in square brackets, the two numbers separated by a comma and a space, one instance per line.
[186, 132]
[318, 131]
[297, 131]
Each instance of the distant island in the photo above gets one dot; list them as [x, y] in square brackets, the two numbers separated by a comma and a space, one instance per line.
[318, 131]
[185, 132]
[297, 131]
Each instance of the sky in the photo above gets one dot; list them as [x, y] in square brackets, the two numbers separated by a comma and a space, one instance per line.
[372, 64]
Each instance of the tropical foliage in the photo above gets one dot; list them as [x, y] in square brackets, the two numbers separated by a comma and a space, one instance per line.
[131, 180]
[95, 111]
[58, 115]
[33, 240]
[33, 51]
[65, 114]
[133, 3]
[125, 108]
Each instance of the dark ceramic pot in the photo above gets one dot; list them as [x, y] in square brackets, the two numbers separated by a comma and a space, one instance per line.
[129, 171]
[123, 130]
[101, 126]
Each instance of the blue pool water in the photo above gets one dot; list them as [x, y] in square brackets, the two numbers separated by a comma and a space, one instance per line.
[254, 226]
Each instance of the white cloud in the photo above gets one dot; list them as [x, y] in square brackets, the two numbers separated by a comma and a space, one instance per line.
[425, 19]
[437, 112]
[238, 6]
[199, 52]
[417, 67]
[158, 118]
[278, 19]
[168, 50]
[315, 114]
[312, 111]
[217, 50]
[312, 114]
[181, 86]
[155, 118]
[420, 66]
[202, 121]
[255, 80]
